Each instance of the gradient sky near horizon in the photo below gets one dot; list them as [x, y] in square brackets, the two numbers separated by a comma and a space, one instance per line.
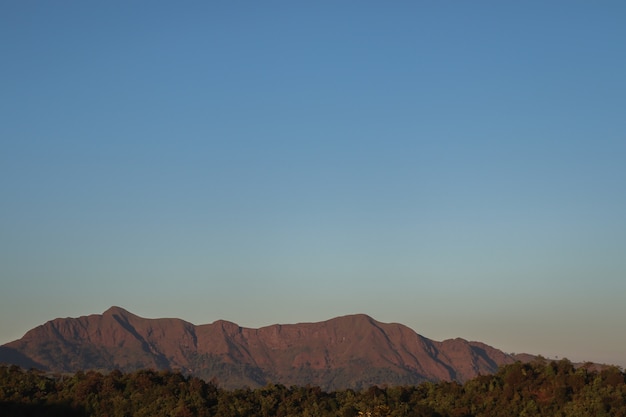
[458, 167]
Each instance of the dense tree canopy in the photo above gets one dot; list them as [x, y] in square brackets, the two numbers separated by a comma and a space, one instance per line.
[539, 388]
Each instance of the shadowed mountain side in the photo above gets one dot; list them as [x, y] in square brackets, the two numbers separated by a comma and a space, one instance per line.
[352, 351]
[14, 357]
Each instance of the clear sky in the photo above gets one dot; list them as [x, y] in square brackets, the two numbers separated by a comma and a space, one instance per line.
[458, 167]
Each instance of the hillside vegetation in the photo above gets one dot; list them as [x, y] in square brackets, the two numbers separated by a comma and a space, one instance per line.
[539, 388]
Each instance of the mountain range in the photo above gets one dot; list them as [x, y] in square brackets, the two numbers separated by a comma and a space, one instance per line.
[353, 351]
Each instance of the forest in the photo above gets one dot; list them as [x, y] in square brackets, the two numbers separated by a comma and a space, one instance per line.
[539, 388]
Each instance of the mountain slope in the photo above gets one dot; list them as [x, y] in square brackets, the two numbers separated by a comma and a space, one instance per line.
[352, 351]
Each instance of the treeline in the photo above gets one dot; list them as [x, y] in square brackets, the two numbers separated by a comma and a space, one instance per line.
[539, 388]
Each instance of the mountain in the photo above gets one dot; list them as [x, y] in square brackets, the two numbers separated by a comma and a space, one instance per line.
[353, 351]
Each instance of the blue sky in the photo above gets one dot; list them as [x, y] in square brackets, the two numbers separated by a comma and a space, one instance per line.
[457, 167]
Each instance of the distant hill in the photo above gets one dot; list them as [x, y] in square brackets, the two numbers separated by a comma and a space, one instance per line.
[353, 351]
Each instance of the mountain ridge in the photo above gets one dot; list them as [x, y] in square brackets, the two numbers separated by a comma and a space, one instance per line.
[352, 351]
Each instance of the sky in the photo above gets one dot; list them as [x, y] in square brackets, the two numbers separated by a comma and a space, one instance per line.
[457, 167]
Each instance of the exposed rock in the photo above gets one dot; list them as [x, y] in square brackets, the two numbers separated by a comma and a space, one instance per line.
[352, 351]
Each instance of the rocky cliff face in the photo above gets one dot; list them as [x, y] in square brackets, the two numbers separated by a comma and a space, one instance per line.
[346, 352]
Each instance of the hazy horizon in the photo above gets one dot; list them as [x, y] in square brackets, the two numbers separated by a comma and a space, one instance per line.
[458, 168]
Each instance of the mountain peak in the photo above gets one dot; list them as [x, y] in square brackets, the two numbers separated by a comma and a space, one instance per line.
[353, 319]
[356, 316]
[116, 310]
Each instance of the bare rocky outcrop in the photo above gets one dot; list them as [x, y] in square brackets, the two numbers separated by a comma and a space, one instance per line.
[352, 351]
